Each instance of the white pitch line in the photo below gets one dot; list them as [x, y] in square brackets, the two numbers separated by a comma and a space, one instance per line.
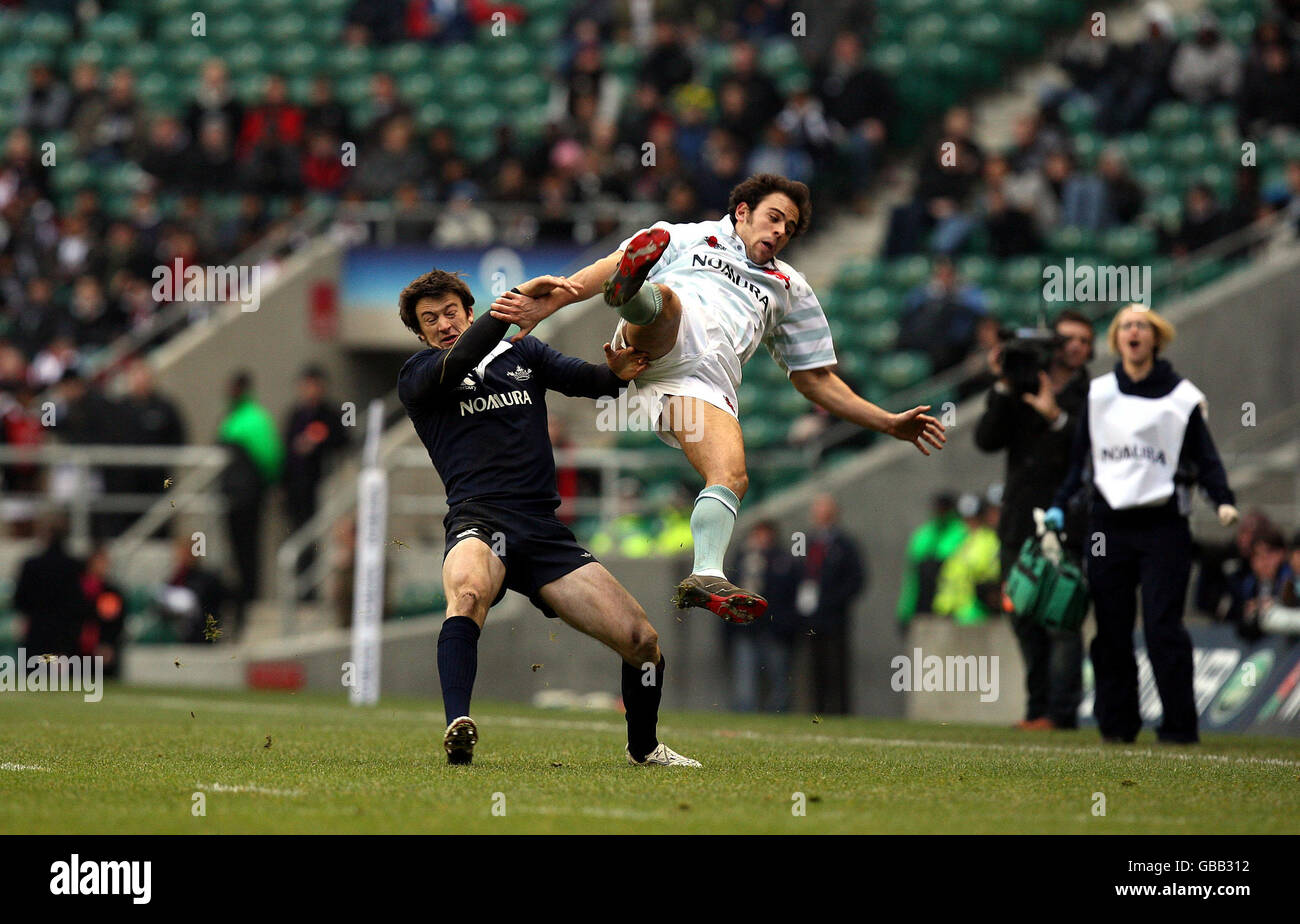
[259, 790]
[597, 726]
[8, 766]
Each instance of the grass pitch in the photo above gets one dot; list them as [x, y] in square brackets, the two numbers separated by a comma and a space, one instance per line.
[307, 763]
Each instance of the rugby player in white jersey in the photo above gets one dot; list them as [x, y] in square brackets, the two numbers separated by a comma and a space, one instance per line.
[716, 293]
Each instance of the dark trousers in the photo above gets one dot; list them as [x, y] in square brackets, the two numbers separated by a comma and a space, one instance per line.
[244, 523]
[1156, 555]
[1053, 672]
[300, 499]
[830, 671]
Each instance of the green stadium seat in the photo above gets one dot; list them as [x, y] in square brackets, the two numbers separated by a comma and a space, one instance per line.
[113, 28]
[232, 31]
[1066, 242]
[905, 273]
[350, 61]
[524, 91]
[47, 29]
[326, 9]
[1173, 118]
[299, 58]
[890, 58]
[903, 370]
[977, 270]
[622, 59]
[996, 303]
[1087, 148]
[283, 30]
[1139, 149]
[1077, 115]
[105, 56]
[1190, 150]
[406, 58]
[986, 31]
[1023, 274]
[880, 336]
[1155, 179]
[1133, 244]
[455, 62]
[418, 88]
[247, 60]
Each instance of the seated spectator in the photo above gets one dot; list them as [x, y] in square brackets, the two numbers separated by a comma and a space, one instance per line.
[322, 167]
[167, 156]
[1089, 60]
[44, 108]
[378, 22]
[324, 113]
[1141, 74]
[1202, 223]
[1207, 69]
[779, 154]
[942, 318]
[947, 179]
[760, 93]
[860, 103]
[379, 173]
[214, 101]
[1269, 97]
[1082, 196]
[1033, 140]
[1011, 232]
[1270, 574]
[274, 121]
[1123, 196]
[666, 65]
[385, 106]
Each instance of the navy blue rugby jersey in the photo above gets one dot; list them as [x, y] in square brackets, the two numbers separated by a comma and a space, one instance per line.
[486, 432]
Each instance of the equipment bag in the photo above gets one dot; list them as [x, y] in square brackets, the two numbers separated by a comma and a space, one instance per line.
[1053, 595]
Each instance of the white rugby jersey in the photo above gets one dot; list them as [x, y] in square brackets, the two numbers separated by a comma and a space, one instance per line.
[706, 263]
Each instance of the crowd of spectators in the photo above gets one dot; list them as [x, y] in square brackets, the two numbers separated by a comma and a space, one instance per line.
[1018, 197]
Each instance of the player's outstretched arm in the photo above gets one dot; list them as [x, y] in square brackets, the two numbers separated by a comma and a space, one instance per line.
[542, 296]
[826, 389]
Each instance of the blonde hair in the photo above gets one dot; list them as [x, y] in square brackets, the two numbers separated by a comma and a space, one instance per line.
[1164, 331]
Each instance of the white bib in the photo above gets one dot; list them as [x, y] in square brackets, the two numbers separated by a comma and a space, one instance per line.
[1136, 441]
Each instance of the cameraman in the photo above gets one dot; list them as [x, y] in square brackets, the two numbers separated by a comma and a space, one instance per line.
[1036, 428]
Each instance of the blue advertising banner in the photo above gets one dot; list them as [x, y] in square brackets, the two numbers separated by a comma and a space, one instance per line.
[1238, 685]
[372, 277]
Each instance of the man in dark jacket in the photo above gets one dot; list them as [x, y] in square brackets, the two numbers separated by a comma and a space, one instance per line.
[314, 431]
[1036, 431]
[48, 593]
[150, 419]
[834, 573]
[765, 648]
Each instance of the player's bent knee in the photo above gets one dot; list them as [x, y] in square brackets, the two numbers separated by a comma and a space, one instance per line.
[738, 482]
[643, 644]
[467, 601]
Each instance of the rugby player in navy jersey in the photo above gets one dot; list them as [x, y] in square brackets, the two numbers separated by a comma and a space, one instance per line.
[478, 403]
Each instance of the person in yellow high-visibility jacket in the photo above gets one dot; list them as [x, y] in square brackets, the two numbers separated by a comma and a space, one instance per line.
[969, 581]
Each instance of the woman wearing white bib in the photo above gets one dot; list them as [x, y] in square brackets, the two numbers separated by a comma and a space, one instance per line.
[1143, 434]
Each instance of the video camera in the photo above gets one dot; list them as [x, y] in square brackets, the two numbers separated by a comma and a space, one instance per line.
[1026, 351]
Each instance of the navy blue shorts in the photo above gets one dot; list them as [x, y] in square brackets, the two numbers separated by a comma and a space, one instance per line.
[535, 548]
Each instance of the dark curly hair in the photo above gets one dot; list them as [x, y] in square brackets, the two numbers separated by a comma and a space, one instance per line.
[761, 185]
[433, 284]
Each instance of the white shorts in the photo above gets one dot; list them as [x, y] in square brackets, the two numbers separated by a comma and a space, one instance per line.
[695, 367]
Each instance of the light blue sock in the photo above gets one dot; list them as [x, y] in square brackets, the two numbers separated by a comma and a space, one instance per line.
[641, 309]
[711, 524]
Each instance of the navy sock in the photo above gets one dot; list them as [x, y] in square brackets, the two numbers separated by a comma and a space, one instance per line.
[641, 703]
[457, 664]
